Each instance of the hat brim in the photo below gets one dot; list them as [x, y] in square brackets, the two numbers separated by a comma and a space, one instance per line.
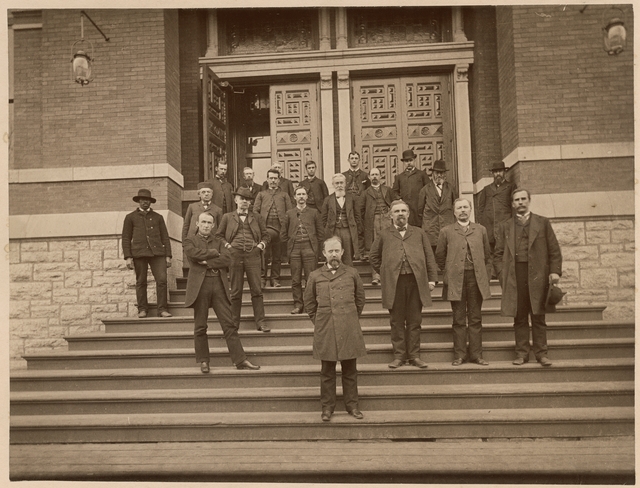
[137, 199]
[248, 197]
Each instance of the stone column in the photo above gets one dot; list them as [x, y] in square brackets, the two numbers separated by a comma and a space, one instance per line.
[344, 118]
[212, 33]
[325, 27]
[458, 25]
[326, 167]
[463, 131]
[341, 28]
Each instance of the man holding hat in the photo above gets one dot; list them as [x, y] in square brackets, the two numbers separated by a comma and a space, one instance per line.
[245, 235]
[205, 192]
[527, 260]
[145, 243]
[494, 203]
[435, 203]
[408, 184]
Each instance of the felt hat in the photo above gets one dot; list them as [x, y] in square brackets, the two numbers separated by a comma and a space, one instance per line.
[408, 155]
[244, 192]
[554, 296]
[499, 166]
[205, 184]
[144, 193]
[439, 165]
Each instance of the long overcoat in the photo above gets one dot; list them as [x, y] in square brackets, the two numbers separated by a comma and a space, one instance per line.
[266, 199]
[222, 191]
[544, 258]
[386, 259]
[494, 207]
[211, 250]
[408, 186]
[370, 204]
[436, 211]
[334, 303]
[312, 222]
[329, 216]
[451, 253]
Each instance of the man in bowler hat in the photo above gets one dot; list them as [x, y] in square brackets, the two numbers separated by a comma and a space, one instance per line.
[407, 186]
[435, 203]
[145, 244]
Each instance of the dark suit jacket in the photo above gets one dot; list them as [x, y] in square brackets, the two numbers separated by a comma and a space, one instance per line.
[544, 258]
[191, 217]
[231, 222]
[209, 249]
[435, 212]
[220, 191]
[265, 199]
[494, 207]
[408, 188]
[370, 204]
[254, 189]
[316, 190]
[312, 222]
[285, 185]
[361, 178]
[145, 235]
[329, 217]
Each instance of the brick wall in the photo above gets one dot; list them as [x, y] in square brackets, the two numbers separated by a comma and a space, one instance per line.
[507, 80]
[480, 27]
[599, 265]
[172, 88]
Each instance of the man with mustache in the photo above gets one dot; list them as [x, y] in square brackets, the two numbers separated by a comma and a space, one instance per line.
[494, 204]
[463, 254]
[316, 188]
[402, 255]
[407, 185]
[334, 299]
[222, 189]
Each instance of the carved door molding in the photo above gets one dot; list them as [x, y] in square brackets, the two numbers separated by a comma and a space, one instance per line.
[215, 125]
[394, 114]
[295, 137]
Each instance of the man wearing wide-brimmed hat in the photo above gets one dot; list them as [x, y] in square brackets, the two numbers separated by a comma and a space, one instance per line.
[245, 235]
[145, 243]
[435, 203]
[408, 184]
[494, 203]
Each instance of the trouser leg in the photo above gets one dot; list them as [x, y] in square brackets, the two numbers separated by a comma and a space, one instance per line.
[474, 314]
[459, 326]
[347, 245]
[222, 308]
[328, 385]
[252, 268]
[521, 322]
[539, 333]
[201, 314]
[140, 266]
[413, 317]
[295, 260]
[349, 384]
[236, 277]
[159, 270]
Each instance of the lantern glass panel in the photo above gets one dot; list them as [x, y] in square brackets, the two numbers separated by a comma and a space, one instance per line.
[81, 68]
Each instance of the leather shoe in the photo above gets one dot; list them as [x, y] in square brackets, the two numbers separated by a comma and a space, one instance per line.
[481, 362]
[276, 283]
[375, 282]
[204, 367]
[396, 363]
[326, 415]
[296, 311]
[520, 361]
[264, 328]
[165, 314]
[247, 365]
[545, 361]
[142, 314]
[357, 414]
[418, 363]
[457, 362]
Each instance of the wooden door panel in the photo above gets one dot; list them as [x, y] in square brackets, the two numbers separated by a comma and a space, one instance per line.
[215, 122]
[294, 127]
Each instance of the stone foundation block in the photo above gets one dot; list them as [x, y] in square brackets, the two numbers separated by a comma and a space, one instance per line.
[617, 259]
[91, 260]
[579, 253]
[25, 328]
[34, 246]
[21, 272]
[110, 254]
[78, 279]
[570, 273]
[44, 344]
[599, 278]
[58, 331]
[83, 329]
[71, 256]
[108, 281]
[48, 311]
[115, 265]
[74, 314]
[598, 237]
[92, 295]
[29, 291]
[616, 236]
[69, 245]
[619, 311]
[103, 244]
[569, 233]
[622, 294]
[40, 257]
[19, 309]
[605, 248]
[589, 264]
[627, 278]
[104, 308]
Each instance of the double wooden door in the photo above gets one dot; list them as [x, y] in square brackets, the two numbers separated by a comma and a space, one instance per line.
[394, 114]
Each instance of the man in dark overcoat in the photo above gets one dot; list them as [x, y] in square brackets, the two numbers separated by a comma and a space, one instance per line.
[302, 233]
[463, 254]
[494, 203]
[222, 189]
[146, 244]
[527, 259]
[317, 189]
[334, 299]
[207, 286]
[357, 181]
[402, 255]
[284, 184]
[341, 217]
[407, 186]
[377, 201]
[273, 204]
[435, 203]
[205, 192]
[252, 186]
[245, 235]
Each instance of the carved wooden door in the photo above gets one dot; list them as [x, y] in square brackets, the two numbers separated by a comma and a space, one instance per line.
[294, 127]
[394, 114]
[215, 122]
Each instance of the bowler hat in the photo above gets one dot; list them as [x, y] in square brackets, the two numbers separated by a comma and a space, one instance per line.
[439, 165]
[244, 192]
[499, 166]
[408, 155]
[205, 184]
[144, 193]
[554, 296]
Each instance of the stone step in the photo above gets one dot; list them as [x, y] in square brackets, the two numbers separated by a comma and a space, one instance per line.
[281, 355]
[498, 372]
[430, 316]
[298, 337]
[391, 424]
[306, 399]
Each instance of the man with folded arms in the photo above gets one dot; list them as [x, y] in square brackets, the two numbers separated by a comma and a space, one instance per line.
[464, 254]
[207, 286]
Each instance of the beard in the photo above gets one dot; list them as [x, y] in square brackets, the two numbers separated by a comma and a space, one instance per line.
[340, 193]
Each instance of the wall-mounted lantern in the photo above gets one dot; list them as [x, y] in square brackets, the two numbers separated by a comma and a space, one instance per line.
[613, 31]
[80, 59]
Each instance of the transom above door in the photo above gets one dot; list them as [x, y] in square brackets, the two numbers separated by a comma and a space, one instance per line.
[393, 114]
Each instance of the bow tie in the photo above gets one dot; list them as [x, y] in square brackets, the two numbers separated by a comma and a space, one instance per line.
[402, 229]
[242, 214]
[522, 218]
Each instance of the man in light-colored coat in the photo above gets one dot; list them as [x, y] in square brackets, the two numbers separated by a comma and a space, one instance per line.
[334, 299]
[527, 259]
[463, 253]
[408, 272]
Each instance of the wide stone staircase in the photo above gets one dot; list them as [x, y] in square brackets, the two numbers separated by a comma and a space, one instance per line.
[138, 381]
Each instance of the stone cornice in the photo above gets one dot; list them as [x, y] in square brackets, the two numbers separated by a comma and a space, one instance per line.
[570, 151]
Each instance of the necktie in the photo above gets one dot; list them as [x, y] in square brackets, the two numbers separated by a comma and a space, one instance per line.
[402, 229]
[522, 218]
[242, 214]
